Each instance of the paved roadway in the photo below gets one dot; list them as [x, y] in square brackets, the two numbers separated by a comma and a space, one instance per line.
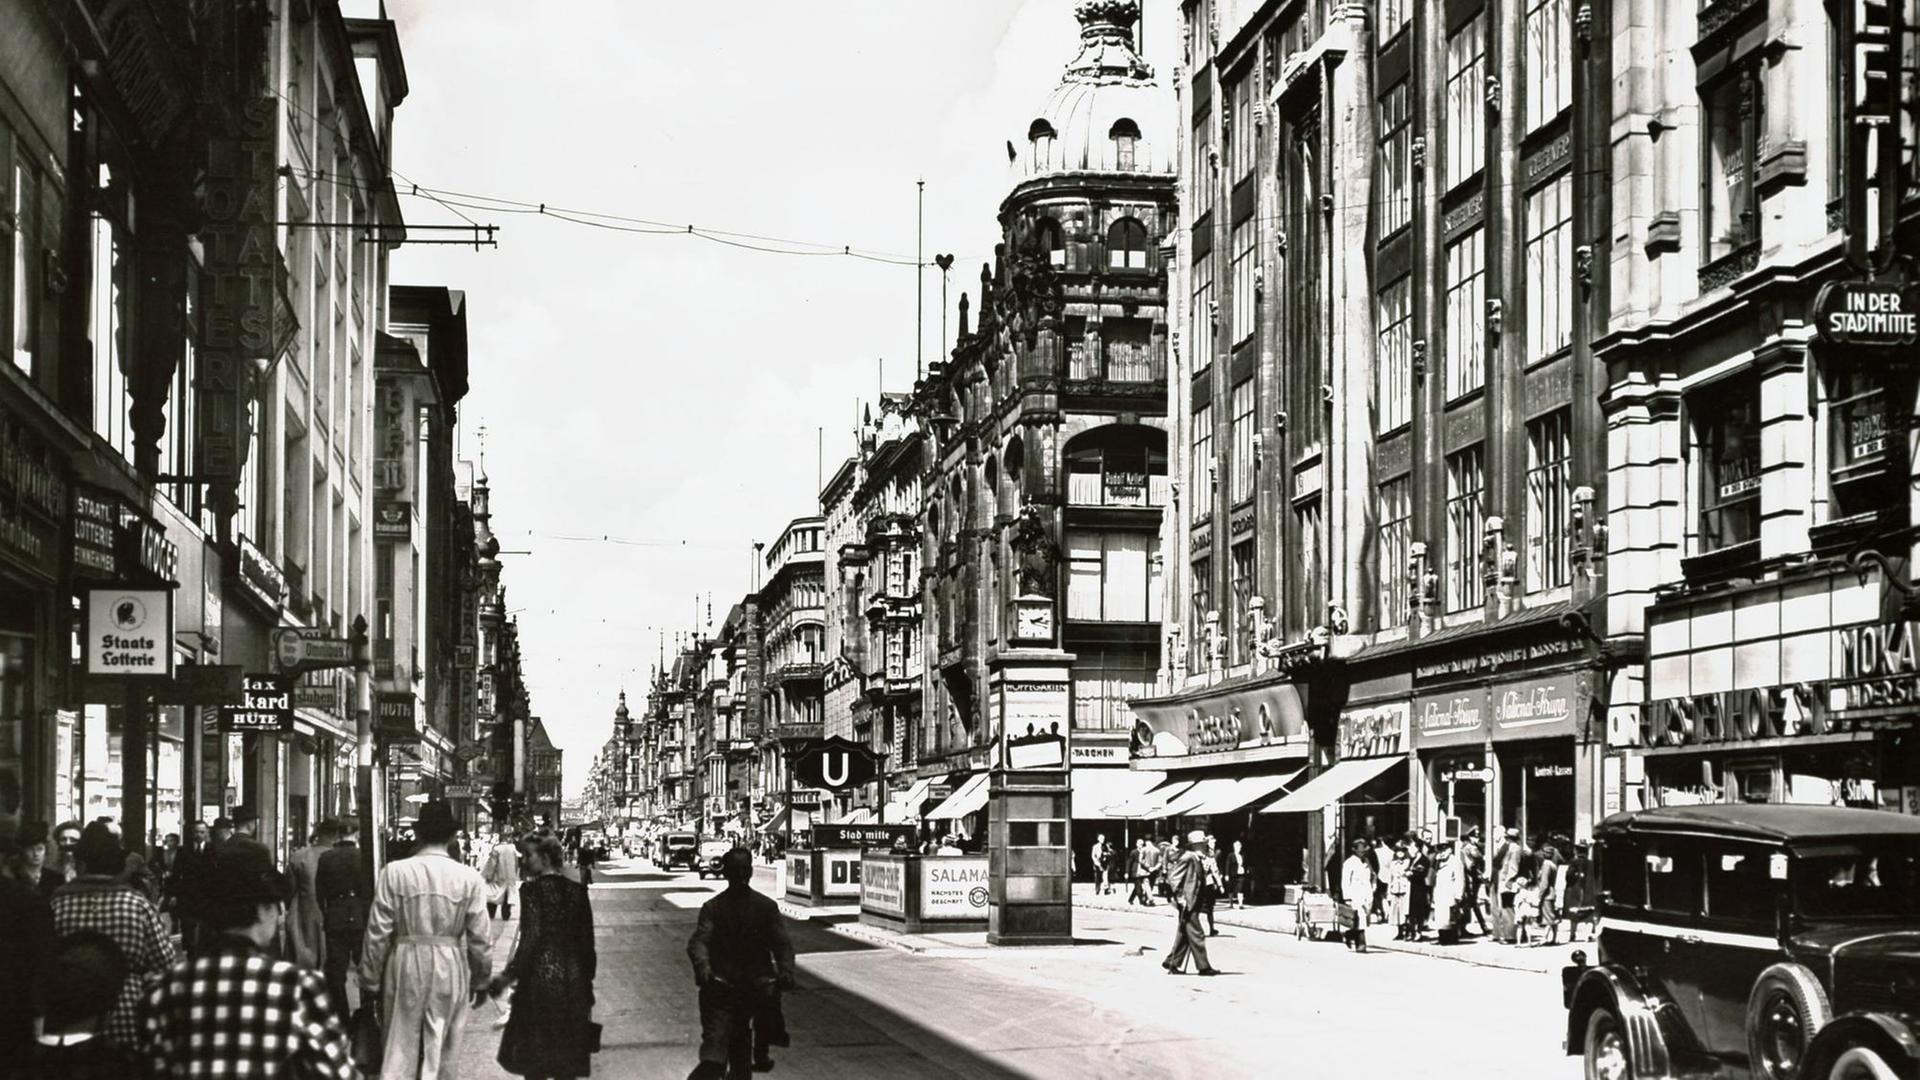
[1102, 1008]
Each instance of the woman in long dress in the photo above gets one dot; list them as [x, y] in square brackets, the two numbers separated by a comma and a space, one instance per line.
[551, 971]
[427, 952]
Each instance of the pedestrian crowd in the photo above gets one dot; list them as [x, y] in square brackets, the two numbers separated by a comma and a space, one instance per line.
[1517, 893]
[208, 958]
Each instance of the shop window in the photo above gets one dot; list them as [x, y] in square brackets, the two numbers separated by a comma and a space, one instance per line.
[1103, 683]
[1549, 264]
[1461, 792]
[1466, 104]
[1243, 292]
[1396, 534]
[1396, 157]
[1128, 345]
[1311, 591]
[1203, 314]
[1112, 576]
[1115, 466]
[1549, 443]
[1203, 463]
[1239, 595]
[1202, 606]
[1240, 447]
[1858, 442]
[1466, 363]
[1466, 480]
[1127, 245]
[1674, 877]
[1394, 316]
[1727, 462]
[1735, 108]
[1549, 61]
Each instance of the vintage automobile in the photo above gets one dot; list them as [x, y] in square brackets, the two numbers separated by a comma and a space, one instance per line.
[678, 850]
[711, 852]
[1760, 941]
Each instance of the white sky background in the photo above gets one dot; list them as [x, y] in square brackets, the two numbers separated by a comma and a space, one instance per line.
[668, 388]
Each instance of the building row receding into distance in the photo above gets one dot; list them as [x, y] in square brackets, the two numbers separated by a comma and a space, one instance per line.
[228, 442]
[1401, 415]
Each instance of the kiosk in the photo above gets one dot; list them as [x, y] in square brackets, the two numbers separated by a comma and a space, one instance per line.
[917, 893]
[829, 871]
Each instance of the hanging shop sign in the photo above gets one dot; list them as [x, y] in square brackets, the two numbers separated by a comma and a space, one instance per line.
[1867, 314]
[141, 547]
[804, 799]
[304, 648]
[129, 631]
[258, 578]
[394, 435]
[1086, 751]
[33, 500]
[394, 718]
[392, 521]
[1373, 731]
[1870, 36]
[267, 705]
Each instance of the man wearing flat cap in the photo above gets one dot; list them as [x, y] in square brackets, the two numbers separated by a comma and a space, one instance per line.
[234, 1009]
[1186, 875]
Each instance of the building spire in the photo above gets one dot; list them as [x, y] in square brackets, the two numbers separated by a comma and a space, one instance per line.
[1107, 50]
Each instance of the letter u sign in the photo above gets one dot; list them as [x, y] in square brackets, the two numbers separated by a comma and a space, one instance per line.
[827, 770]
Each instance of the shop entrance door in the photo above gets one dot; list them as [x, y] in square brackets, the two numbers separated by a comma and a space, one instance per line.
[1536, 789]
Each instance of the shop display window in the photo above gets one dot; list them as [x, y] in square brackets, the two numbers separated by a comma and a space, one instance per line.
[1462, 798]
[1536, 790]
[1831, 776]
[1727, 465]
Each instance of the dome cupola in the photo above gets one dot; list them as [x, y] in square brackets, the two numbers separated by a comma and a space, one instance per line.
[1107, 114]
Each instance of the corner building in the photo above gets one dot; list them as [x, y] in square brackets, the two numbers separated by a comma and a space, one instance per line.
[1761, 501]
[1048, 458]
[1382, 578]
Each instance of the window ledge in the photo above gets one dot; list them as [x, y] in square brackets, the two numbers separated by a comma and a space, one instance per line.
[1729, 268]
[1785, 165]
[1722, 564]
[1663, 234]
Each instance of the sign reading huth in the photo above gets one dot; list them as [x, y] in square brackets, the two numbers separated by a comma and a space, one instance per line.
[1867, 314]
[129, 631]
[394, 718]
[267, 706]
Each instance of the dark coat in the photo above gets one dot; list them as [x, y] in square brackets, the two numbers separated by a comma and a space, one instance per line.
[740, 939]
[344, 878]
[552, 971]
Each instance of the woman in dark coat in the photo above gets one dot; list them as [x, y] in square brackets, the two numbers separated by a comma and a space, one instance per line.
[549, 1031]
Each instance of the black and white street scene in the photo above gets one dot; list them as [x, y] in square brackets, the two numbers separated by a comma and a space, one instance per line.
[959, 539]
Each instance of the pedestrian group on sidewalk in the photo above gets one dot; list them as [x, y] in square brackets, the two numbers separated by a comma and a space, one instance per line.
[207, 959]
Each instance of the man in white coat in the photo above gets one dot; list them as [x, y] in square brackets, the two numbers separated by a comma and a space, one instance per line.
[502, 871]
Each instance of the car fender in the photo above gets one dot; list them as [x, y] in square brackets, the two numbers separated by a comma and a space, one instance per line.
[1639, 1015]
[1873, 1028]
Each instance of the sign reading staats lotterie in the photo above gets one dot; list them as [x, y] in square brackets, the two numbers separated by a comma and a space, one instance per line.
[130, 632]
[1868, 314]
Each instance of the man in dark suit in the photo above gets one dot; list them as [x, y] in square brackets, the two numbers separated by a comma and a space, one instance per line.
[1186, 879]
[741, 961]
[343, 883]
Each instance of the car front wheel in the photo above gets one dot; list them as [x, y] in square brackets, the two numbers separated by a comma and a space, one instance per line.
[1787, 1008]
[1608, 1057]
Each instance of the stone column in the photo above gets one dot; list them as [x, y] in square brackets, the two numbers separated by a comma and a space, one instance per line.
[1352, 123]
[1786, 445]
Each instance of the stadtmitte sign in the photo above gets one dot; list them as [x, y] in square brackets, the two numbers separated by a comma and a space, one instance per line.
[1867, 314]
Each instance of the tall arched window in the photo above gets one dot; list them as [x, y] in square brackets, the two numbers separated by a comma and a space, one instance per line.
[1126, 144]
[1127, 245]
[1040, 136]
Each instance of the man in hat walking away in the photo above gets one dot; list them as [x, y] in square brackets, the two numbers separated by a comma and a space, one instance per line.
[234, 1009]
[306, 927]
[742, 959]
[429, 951]
[1186, 875]
[343, 883]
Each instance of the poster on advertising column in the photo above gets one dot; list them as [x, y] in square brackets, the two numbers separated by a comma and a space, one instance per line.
[953, 888]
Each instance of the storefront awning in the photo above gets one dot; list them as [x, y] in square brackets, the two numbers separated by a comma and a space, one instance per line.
[1246, 791]
[899, 814]
[966, 799]
[1331, 786]
[1212, 787]
[914, 797]
[775, 823]
[859, 816]
[1096, 789]
[1134, 809]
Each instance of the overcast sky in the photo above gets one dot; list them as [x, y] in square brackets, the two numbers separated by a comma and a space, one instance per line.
[666, 390]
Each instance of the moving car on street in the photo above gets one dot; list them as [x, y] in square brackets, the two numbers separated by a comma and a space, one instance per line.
[710, 853]
[1761, 941]
[678, 850]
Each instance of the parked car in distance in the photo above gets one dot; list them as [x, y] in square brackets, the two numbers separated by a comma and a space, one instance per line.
[679, 851]
[1765, 942]
[710, 853]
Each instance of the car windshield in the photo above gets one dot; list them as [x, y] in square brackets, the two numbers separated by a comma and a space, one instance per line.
[1866, 878]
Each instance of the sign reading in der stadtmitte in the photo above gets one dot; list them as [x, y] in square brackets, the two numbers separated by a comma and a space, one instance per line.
[1867, 314]
[130, 632]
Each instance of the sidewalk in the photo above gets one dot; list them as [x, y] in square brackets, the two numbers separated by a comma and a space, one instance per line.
[1278, 919]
